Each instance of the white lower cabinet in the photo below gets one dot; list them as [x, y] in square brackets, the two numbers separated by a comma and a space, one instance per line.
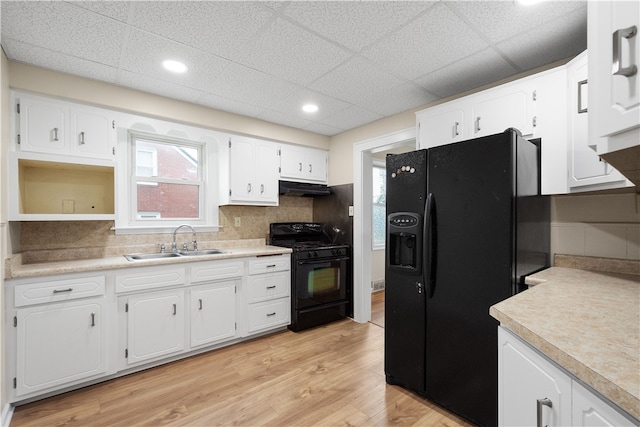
[213, 312]
[59, 344]
[268, 293]
[155, 325]
[532, 390]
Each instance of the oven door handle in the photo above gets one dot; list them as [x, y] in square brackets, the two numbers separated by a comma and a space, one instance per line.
[323, 260]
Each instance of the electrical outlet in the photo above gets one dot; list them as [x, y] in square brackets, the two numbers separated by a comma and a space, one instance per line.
[350, 210]
[237, 221]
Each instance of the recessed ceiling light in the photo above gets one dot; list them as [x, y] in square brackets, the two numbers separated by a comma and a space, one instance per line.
[310, 108]
[174, 66]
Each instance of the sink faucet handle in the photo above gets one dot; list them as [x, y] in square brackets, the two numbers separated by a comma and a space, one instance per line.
[162, 247]
[195, 245]
[185, 246]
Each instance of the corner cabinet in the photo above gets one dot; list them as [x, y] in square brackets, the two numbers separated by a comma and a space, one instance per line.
[248, 172]
[586, 170]
[303, 164]
[532, 390]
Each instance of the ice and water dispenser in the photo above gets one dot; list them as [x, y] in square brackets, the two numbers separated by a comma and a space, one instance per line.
[404, 242]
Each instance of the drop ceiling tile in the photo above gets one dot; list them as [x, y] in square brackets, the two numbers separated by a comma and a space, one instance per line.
[283, 119]
[292, 53]
[559, 39]
[65, 28]
[436, 39]
[229, 105]
[217, 27]
[293, 103]
[323, 129]
[367, 21]
[118, 10]
[498, 20]
[145, 52]
[356, 82]
[488, 66]
[405, 97]
[157, 87]
[252, 87]
[45, 58]
[352, 117]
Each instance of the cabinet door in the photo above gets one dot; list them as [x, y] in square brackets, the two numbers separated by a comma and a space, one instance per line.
[213, 313]
[292, 161]
[155, 325]
[591, 411]
[316, 166]
[60, 343]
[615, 87]
[266, 155]
[441, 127]
[91, 134]
[242, 169]
[524, 378]
[497, 110]
[43, 125]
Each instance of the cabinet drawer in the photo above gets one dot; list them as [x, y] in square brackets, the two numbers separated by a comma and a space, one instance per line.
[267, 264]
[208, 271]
[150, 278]
[58, 290]
[266, 315]
[269, 286]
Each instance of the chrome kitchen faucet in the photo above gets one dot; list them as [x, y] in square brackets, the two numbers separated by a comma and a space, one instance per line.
[174, 247]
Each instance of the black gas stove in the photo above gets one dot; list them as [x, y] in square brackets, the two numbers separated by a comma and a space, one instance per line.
[320, 276]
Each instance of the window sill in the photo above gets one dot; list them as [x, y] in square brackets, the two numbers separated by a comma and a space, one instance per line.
[160, 229]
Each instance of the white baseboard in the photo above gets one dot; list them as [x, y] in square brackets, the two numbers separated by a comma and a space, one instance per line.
[7, 414]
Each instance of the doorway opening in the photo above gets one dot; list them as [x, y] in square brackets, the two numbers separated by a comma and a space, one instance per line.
[365, 257]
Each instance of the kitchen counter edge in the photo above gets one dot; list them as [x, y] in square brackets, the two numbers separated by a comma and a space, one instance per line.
[588, 323]
[17, 270]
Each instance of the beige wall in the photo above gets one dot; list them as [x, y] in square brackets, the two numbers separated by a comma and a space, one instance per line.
[66, 86]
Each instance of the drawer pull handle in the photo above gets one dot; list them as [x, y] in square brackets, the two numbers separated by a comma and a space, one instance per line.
[618, 35]
[93, 319]
[539, 404]
[60, 291]
[271, 287]
[271, 265]
[271, 314]
[175, 309]
[200, 303]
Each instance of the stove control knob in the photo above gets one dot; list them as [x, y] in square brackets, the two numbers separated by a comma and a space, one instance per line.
[315, 254]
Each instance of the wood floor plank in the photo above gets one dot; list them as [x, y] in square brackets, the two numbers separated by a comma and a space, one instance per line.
[327, 376]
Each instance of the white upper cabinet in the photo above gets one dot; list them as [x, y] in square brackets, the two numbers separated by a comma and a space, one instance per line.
[248, 172]
[303, 164]
[587, 171]
[441, 126]
[614, 53]
[55, 127]
[508, 106]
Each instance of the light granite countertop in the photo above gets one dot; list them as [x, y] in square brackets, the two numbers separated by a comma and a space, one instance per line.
[586, 321]
[15, 268]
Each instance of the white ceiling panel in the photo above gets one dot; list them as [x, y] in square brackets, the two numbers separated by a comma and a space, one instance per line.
[434, 40]
[292, 53]
[358, 60]
[455, 78]
[355, 25]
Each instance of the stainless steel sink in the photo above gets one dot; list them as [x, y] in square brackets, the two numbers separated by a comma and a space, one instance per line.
[203, 252]
[155, 255]
[160, 255]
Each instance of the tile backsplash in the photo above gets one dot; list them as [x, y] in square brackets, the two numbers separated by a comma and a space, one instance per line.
[97, 238]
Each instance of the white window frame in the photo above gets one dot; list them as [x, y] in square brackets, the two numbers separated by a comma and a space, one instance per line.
[134, 219]
[376, 246]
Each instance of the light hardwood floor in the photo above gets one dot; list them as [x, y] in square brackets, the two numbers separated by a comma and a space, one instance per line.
[328, 376]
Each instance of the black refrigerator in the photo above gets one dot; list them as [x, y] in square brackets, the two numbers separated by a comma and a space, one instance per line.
[465, 224]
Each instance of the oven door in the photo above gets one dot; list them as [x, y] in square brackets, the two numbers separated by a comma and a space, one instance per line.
[320, 282]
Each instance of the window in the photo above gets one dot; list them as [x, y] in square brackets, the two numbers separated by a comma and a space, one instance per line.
[167, 184]
[379, 214]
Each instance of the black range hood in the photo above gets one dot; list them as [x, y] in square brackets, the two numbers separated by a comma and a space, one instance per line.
[290, 188]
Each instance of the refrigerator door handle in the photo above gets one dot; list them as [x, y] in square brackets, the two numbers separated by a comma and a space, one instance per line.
[429, 243]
